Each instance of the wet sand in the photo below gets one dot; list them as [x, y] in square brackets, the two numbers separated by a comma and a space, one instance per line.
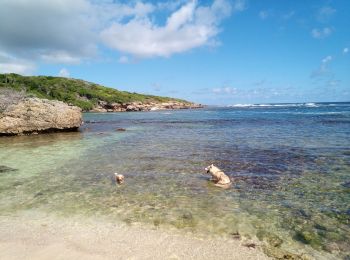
[33, 236]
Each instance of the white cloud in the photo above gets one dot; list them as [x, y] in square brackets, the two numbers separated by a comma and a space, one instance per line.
[325, 13]
[323, 70]
[60, 57]
[70, 32]
[239, 5]
[333, 83]
[64, 73]
[170, 5]
[321, 33]
[54, 31]
[288, 15]
[224, 90]
[9, 64]
[216, 90]
[260, 82]
[18, 68]
[60, 31]
[124, 59]
[184, 15]
[327, 59]
[345, 50]
[191, 26]
[264, 14]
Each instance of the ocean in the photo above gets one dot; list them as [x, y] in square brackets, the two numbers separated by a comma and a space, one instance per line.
[290, 165]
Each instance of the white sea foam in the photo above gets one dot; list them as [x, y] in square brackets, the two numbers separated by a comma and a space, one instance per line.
[276, 105]
[311, 105]
[241, 105]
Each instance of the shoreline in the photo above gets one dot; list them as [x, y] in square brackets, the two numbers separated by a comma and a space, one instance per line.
[42, 236]
[103, 107]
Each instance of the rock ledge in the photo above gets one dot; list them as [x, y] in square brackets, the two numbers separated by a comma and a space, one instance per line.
[103, 106]
[34, 115]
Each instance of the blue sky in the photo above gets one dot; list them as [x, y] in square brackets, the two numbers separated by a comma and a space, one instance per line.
[213, 52]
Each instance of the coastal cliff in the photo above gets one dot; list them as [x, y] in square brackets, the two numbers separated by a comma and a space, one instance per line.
[90, 97]
[103, 106]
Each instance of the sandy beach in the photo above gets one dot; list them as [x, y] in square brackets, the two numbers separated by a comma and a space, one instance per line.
[47, 237]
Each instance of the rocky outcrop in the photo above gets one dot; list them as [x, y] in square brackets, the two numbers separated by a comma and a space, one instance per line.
[34, 115]
[139, 106]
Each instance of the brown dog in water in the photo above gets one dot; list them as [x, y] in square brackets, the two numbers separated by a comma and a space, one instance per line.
[119, 178]
[218, 176]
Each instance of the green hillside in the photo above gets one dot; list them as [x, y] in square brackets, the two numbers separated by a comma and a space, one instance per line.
[77, 92]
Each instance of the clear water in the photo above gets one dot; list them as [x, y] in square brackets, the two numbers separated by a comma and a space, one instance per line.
[291, 166]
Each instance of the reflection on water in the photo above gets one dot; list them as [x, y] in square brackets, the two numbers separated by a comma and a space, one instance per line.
[290, 166]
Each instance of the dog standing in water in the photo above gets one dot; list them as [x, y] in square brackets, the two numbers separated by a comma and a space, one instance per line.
[218, 176]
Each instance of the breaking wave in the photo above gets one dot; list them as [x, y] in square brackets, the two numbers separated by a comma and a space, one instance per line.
[310, 104]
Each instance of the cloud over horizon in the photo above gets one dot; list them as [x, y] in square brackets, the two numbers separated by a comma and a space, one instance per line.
[69, 32]
[64, 73]
[9, 64]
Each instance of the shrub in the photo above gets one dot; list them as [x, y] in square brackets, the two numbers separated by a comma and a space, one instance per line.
[78, 92]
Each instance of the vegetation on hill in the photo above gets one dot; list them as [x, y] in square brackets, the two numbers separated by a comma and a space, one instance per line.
[73, 91]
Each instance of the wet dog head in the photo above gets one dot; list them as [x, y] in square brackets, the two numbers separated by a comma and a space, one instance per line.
[119, 178]
[207, 169]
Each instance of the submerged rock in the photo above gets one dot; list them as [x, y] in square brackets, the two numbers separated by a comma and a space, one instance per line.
[34, 115]
[346, 184]
[309, 237]
[236, 235]
[4, 168]
[270, 238]
[187, 216]
[250, 245]
[278, 253]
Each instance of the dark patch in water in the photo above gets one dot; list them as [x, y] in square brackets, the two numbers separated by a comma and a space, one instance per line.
[4, 168]
[320, 227]
[250, 245]
[45, 131]
[258, 182]
[335, 121]
[38, 194]
[187, 215]
[303, 213]
[236, 235]
[346, 184]
[264, 162]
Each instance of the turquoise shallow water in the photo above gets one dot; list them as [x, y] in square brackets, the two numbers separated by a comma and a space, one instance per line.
[291, 166]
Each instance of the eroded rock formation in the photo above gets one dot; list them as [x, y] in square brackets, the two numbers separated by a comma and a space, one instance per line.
[139, 106]
[34, 115]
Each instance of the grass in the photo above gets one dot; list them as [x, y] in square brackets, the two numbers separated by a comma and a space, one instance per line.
[74, 91]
